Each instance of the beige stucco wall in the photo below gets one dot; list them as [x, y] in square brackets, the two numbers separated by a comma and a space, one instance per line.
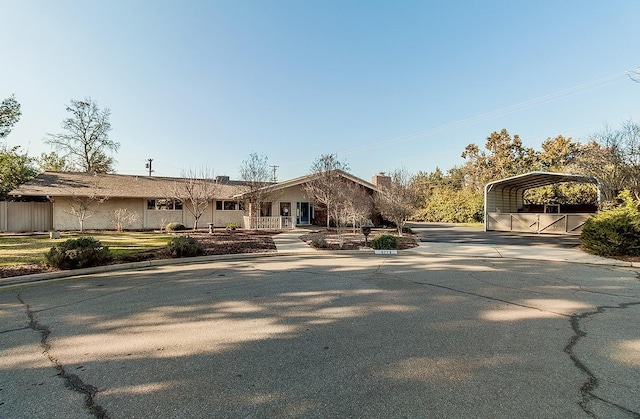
[292, 195]
[157, 219]
[222, 218]
[101, 215]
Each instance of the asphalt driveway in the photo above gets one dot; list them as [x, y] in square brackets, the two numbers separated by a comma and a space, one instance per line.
[411, 335]
[452, 233]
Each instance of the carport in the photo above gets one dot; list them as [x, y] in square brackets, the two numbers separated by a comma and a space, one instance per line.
[505, 210]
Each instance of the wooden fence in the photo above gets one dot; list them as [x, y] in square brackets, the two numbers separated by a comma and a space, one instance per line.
[26, 216]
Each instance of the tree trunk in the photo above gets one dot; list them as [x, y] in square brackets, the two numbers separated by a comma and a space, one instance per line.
[328, 225]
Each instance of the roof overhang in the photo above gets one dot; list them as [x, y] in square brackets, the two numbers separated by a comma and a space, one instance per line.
[307, 178]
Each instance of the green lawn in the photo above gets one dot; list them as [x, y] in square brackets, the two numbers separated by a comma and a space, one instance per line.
[17, 250]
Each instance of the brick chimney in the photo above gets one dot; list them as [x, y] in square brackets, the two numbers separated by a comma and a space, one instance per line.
[381, 180]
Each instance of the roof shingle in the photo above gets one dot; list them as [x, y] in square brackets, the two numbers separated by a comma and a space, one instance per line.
[112, 186]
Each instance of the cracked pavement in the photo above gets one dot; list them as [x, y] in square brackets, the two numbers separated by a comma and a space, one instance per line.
[411, 335]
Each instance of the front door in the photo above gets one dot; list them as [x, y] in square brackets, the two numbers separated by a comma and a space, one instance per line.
[303, 213]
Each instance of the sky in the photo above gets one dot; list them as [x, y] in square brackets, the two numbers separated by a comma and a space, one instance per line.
[387, 85]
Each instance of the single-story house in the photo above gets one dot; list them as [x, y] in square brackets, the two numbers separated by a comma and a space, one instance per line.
[58, 200]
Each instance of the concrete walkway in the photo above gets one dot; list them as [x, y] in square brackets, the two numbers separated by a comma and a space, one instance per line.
[289, 242]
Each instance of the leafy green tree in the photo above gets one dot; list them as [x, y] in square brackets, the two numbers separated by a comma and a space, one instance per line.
[9, 114]
[558, 154]
[563, 193]
[85, 140]
[449, 205]
[15, 169]
[505, 156]
[53, 162]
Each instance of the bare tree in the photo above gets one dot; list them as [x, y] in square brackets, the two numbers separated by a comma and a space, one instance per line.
[356, 205]
[84, 207]
[399, 200]
[603, 157]
[325, 183]
[197, 189]
[351, 207]
[255, 173]
[123, 218]
[85, 140]
[630, 136]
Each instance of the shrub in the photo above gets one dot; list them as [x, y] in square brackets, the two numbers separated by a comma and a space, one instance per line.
[82, 252]
[384, 241]
[232, 226]
[184, 246]
[319, 242]
[407, 230]
[175, 227]
[614, 232]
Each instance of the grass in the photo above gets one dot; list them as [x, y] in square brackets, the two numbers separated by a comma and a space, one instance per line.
[22, 250]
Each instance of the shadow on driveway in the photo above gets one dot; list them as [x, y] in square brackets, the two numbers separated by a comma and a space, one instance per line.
[451, 233]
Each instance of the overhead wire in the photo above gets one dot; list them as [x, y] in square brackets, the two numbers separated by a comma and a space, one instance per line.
[614, 78]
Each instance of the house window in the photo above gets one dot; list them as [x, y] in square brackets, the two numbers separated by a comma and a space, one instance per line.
[229, 205]
[164, 204]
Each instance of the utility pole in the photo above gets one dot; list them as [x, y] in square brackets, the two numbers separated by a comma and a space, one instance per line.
[148, 166]
[274, 167]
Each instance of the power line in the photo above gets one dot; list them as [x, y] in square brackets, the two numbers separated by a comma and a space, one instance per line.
[561, 94]
[634, 74]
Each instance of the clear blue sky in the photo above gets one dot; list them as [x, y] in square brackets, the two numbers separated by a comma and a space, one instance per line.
[385, 84]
